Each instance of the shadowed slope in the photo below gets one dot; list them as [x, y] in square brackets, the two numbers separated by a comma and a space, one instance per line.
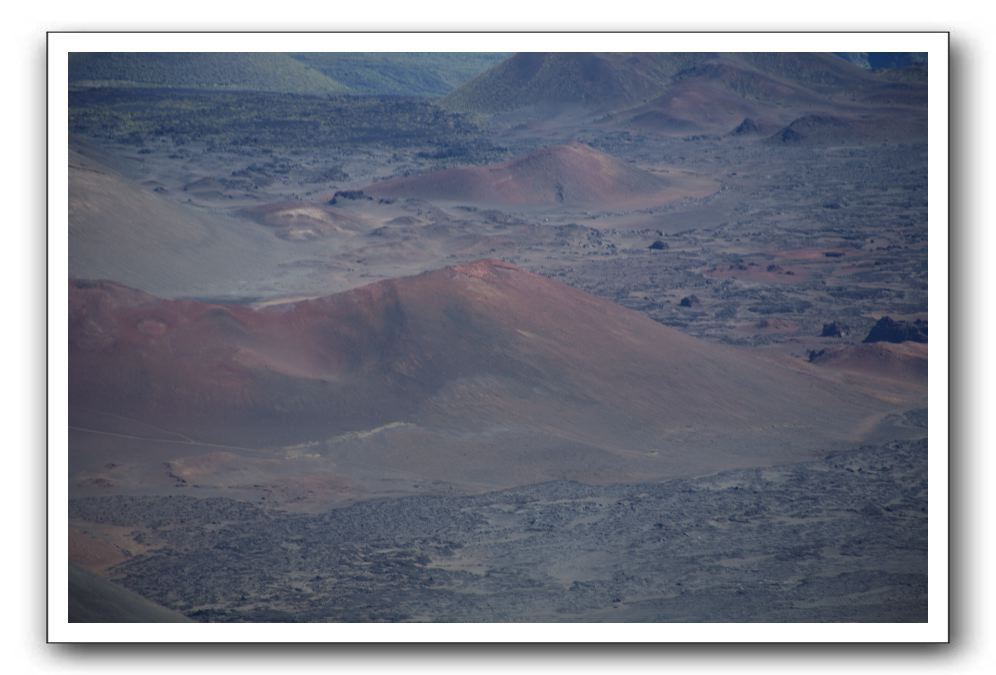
[96, 600]
[119, 229]
[528, 79]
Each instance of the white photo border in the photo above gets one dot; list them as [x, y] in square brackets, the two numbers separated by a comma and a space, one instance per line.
[935, 44]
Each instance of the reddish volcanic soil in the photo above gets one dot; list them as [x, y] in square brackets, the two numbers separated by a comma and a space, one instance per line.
[574, 175]
[707, 102]
[891, 372]
[480, 375]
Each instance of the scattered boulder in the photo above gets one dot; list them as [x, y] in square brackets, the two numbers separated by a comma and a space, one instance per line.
[349, 194]
[658, 245]
[890, 330]
[814, 354]
[689, 301]
[835, 329]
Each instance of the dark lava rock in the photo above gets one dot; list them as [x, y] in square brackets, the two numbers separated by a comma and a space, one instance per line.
[889, 330]
[835, 329]
[788, 135]
[689, 300]
[747, 127]
[658, 246]
[815, 354]
[349, 194]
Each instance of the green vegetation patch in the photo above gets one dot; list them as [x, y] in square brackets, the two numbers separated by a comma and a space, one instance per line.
[401, 73]
[198, 70]
[228, 120]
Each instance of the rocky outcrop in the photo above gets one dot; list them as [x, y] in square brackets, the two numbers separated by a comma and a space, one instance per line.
[835, 329]
[890, 330]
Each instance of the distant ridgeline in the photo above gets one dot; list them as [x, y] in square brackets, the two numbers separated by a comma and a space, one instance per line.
[407, 74]
[671, 83]
[390, 73]
[885, 60]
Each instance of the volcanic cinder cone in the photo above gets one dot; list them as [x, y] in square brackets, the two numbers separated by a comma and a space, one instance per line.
[563, 176]
[480, 374]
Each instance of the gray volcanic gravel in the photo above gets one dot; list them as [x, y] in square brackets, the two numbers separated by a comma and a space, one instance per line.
[840, 539]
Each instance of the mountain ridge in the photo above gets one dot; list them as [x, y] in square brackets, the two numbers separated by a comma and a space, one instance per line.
[679, 93]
